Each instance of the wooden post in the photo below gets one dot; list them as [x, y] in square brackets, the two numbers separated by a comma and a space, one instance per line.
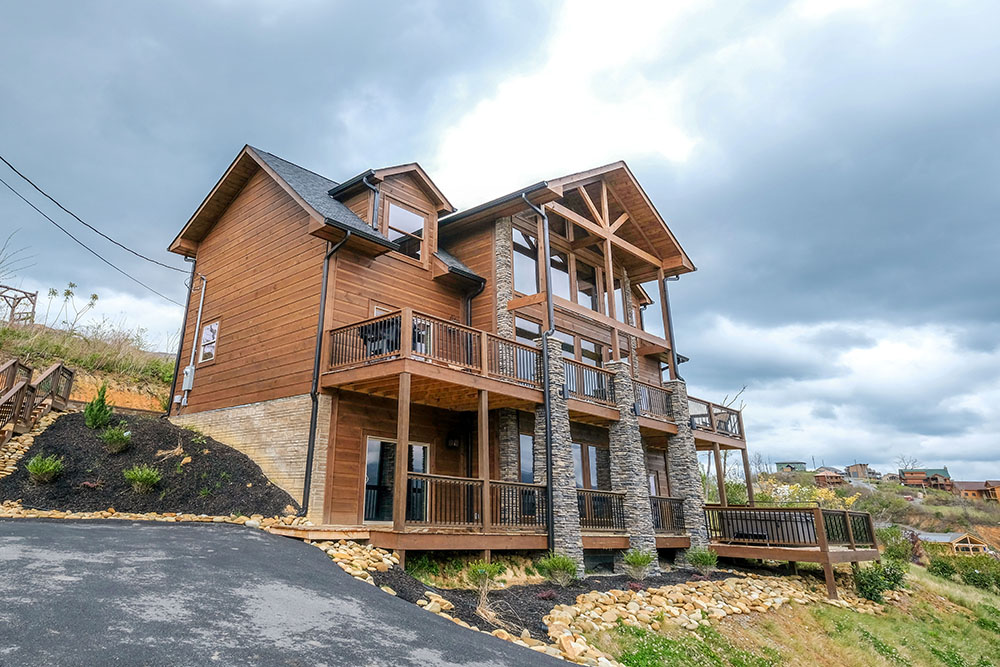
[711, 416]
[483, 438]
[609, 288]
[666, 320]
[484, 351]
[748, 477]
[824, 547]
[720, 476]
[850, 529]
[406, 335]
[402, 451]
[871, 527]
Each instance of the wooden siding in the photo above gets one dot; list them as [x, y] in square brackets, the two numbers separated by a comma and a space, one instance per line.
[264, 274]
[475, 248]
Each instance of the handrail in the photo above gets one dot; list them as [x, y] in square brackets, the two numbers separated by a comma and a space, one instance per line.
[46, 376]
[447, 478]
[668, 514]
[512, 361]
[652, 400]
[601, 510]
[708, 416]
[517, 505]
[589, 383]
[10, 404]
[790, 527]
[443, 500]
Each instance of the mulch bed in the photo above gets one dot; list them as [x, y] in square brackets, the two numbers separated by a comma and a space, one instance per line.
[218, 480]
[524, 606]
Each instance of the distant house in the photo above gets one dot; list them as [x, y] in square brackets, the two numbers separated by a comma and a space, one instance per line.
[958, 543]
[860, 471]
[890, 477]
[790, 466]
[830, 469]
[926, 478]
[986, 490]
[829, 479]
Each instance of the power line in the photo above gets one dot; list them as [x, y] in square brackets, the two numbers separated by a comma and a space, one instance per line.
[85, 246]
[85, 224]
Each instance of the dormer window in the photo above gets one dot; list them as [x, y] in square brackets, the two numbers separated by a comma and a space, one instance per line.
[407, 227]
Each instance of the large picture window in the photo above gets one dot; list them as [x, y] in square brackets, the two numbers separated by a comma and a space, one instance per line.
[586, 285]
[525, 263]
[406, 228]
[560, 274]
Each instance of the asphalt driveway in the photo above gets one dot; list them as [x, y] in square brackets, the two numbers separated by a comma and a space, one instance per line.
[137, 593]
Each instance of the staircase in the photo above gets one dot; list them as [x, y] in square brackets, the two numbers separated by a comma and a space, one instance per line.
[23, 402]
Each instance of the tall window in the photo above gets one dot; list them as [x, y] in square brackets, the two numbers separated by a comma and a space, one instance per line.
[586, 285]
[591, 353]
[567, 340]
[526, 331]
[406, 228]
[525, 263]
[560, 274]
[578, 464]
[527, 454]
[209, 338]
[620, 302]
[651, 317]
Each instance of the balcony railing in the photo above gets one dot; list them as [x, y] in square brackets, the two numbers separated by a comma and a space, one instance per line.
[589, 383]
[652, 401]
[512, 361]
[715, 418]
[668, 514]
[438, 500]
[601, 510]
[790, 527]
[518, 506]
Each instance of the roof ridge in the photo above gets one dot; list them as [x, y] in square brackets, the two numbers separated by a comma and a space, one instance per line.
[294, 164]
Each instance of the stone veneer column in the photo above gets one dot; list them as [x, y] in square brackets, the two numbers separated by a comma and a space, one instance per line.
[683, 472]
[508, 437]
[628, 462]
[565, 513]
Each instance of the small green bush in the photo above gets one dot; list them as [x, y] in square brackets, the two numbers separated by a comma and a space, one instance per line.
[116, 438]
[894, 545]
[484, 577]
[637, 562]
[97, 413]
[871, 582]
[560, 569]
[423, 567]
[979, 578]
[44, 469]
[143, 477]
[894, 572]
[702, 559]
[941, 567]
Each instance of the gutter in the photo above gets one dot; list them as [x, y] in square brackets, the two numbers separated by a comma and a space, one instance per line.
[513, 196]
[546, 380]
[180, 345]
[314, 388]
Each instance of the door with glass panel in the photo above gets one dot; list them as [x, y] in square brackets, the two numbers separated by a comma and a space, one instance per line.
[380, 471]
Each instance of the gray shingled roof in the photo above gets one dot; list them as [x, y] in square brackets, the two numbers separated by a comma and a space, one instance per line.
[314, 189]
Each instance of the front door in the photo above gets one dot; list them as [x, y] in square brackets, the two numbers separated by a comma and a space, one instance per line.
[380, 470]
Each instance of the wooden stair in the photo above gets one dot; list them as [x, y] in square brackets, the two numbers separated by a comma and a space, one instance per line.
[23, 402]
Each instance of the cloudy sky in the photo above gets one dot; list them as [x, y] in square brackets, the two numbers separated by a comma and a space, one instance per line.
[831, 167]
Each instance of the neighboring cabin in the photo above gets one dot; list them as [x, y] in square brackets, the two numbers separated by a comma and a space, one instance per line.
[826, 479]
[986, 490]
[926, 478]
[790, 466]
[957, 543]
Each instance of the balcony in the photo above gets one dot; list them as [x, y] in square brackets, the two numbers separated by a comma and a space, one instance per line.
[716, 422]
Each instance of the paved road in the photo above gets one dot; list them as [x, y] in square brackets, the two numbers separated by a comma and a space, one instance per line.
[117, 593]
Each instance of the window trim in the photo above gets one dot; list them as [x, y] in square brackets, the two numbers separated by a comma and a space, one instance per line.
[217, 321]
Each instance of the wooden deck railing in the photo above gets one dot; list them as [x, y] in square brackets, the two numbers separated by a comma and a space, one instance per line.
[601, 510]
[652, 401]
[23, 402]
[446, 343]
[11, 402]
[512, 361]
[439, 500]
[716, 418]
[668, 514]
[514, 505]
[790, 527]
[365, 342]
[589, 383]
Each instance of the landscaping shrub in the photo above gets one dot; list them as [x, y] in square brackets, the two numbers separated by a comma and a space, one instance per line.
[894, 572]
[871, 582]
[978, 578]
[637, 562]
[702, 559]
[484, 577]
[941, 567]
[44, 469]
[423, 567]
[560, 569]
[981, 570]
[116, 438]
[895, 546]
[143, 477]
[97, 413]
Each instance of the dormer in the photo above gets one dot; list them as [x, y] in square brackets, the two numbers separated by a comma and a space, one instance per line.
[402, 204]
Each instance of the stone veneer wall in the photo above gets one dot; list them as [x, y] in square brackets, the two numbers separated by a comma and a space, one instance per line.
[507, 433]
[565, 511]
[275, 434]
[628, 462]
[683, 472]
[509, 443]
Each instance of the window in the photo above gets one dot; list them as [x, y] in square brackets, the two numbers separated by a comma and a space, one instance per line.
[620, 302]
[527, 454]
[591, 353]
[652, 316]
[406, 228]
[578, 464]
[525, 263]
[209, 337]
[526, 331]
[567, 340]
[560, 274]
[652, 484]
[586, 285]
[592, 456]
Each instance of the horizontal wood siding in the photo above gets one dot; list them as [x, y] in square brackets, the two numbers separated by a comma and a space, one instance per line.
[264, 274]
[475, 248]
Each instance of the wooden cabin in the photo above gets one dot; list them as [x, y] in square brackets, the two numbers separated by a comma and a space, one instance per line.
[828, 479]
[956, 543]
[389, 360]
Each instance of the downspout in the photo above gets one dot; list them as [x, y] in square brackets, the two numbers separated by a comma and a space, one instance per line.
[374, 220]
[670, 328]
[547, 402]
[194, 343]
[468, 301]
[314, 389]
[180, 345]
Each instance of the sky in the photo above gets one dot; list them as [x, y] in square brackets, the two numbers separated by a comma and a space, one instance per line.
[830, 167]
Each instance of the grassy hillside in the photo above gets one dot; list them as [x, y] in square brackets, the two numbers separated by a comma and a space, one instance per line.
[936, 622]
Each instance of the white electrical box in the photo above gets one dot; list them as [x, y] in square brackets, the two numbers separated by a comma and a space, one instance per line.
[187, 383]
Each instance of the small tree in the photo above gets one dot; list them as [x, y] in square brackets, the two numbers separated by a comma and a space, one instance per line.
[484, 577]
[97, 414]
[637, 562]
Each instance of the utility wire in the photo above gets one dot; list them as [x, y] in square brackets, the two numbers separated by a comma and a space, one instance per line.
[85, 246]
[88, 226]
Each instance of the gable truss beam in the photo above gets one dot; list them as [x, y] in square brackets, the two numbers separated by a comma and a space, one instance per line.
[603, 221]
[604, 233]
